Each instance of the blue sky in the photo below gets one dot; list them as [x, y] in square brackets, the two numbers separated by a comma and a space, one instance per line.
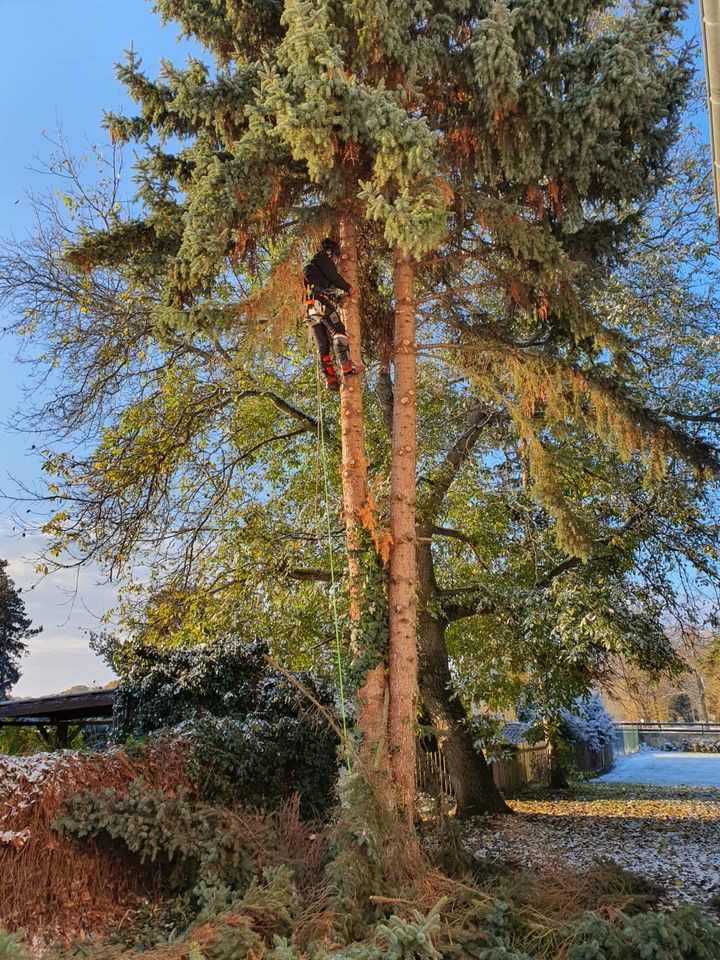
[56, 67]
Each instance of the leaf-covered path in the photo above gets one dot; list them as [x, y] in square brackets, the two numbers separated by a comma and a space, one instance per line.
[670, 835]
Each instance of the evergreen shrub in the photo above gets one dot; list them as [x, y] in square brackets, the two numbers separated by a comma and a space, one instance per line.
[254, 735]
[586, 722]
[205, 855]
[251, 883]
[685, 933]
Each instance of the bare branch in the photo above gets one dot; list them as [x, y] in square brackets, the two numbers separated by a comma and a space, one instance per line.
[321, 576]
[480, 417]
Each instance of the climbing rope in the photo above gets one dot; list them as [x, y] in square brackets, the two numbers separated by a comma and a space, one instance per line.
[333, 592]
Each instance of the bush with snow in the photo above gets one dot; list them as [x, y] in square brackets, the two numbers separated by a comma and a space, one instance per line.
[254, 732]
[587, 722]
[704, 746]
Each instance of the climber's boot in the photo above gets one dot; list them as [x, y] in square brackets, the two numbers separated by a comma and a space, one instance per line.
[331, 381]
[342, 348]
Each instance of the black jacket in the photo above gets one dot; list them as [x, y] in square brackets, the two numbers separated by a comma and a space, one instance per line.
[321, 272]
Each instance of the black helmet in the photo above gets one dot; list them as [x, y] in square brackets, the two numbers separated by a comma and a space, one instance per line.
[330, 247]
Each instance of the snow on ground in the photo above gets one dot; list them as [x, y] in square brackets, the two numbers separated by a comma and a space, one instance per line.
[666, 768]
[668, 835]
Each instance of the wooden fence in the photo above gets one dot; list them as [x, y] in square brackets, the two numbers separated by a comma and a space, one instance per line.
[529, 764]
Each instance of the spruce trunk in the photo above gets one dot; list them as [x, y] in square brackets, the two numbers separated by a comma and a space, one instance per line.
[354, 476]
[402, 588]
[469, 772]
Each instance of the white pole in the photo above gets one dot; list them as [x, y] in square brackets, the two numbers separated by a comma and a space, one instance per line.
[710, 20]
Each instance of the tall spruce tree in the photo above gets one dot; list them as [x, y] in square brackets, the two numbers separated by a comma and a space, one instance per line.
[15, 627]
[302, 99]
[539, 127]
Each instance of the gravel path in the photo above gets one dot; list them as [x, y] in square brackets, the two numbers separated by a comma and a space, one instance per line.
[671, 837]
[667, 769]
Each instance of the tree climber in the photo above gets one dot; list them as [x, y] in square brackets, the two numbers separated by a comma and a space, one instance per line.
[320, 275]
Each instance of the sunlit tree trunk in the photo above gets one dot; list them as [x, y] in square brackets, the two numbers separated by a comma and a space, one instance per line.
[354, 475]
[402, 588]
[557, 774]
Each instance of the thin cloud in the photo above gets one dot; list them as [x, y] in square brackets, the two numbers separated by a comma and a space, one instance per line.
[66, 604]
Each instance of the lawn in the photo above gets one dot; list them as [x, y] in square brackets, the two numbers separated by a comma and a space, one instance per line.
[669, 835]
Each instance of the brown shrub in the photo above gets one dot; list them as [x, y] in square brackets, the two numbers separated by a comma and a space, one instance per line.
[53, 886]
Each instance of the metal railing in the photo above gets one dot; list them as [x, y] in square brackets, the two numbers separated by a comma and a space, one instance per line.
[671, 726]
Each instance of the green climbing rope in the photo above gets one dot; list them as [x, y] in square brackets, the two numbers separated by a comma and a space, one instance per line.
[333, 592]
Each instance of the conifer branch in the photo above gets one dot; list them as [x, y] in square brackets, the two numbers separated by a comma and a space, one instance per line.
[712, 416]
[319, 576]
[461, 290]
[609, 394]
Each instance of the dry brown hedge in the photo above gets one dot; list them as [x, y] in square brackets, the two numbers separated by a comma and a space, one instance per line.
[53, 886]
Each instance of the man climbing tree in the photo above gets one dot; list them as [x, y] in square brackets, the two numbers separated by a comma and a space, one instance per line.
[15, 627]
[320, 275]
[207, 218]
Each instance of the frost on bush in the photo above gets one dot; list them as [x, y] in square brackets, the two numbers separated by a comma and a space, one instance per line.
[589, 722]
[586, 722]
[254, 734]
[277, 750]
[703, 746]
[160, 688]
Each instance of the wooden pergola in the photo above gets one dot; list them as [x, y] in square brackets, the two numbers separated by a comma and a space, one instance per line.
[62, 711]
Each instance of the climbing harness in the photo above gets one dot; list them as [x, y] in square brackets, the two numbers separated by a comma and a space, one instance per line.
[333, 586]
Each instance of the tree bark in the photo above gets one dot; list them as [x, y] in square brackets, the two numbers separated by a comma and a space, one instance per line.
[469, 772]
[557, 774]
[386, 397]
[702, 702]
[354, 476]
[402, 588]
